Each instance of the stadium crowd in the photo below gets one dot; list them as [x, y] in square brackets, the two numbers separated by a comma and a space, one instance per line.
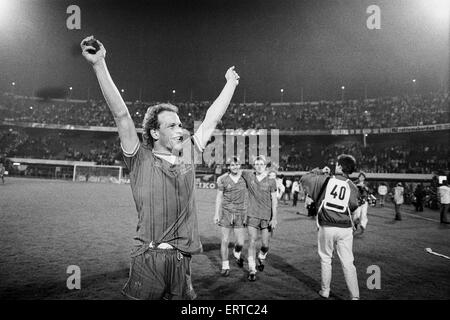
[58, 145]
[405, 157]
[296, 153]
[387, 112]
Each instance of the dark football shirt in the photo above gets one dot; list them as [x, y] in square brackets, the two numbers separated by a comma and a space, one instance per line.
[164, 195]
[259, 198]
[234, 194]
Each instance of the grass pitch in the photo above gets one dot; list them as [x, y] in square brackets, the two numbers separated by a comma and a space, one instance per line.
[46, 226]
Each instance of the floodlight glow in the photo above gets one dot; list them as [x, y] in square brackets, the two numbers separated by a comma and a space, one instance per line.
[9, 14]
[5, 8]
[438, 9]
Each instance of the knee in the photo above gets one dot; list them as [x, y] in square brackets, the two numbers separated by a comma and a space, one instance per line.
[347, 264]
[325, 260]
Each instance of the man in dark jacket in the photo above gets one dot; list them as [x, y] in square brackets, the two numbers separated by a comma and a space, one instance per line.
[419, 194]
[337, 199]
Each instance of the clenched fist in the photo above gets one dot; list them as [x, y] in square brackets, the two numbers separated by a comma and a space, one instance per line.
[232, 75]
[92, 58]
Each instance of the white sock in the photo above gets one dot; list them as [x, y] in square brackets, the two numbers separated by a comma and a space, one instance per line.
[225, 265]
[251, 264]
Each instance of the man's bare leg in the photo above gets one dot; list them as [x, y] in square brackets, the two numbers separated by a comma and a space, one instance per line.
[264, 248]
[224, 251]
[240, 238]
[253, 233]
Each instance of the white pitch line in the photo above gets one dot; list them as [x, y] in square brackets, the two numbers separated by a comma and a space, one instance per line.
[436, 254]
[412, 215]
[419, 217]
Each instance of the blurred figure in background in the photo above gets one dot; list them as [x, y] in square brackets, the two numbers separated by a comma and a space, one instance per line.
[382, 192]
[279, 183]
[419, 194]
[444, 197]
[295, 192]
[287, 193]
[398, 200]
[360, 214]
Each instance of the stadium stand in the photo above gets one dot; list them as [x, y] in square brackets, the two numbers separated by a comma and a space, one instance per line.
[419, 152]
[324, 115]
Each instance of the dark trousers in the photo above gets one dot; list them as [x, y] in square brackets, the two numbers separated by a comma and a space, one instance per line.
[287, 194]
[398, 215]
[444, 209]
[419, 205]
[295, 199]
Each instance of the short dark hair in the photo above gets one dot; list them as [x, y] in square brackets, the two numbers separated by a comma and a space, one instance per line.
[347, 162]
[235, 160]
[151, 121]
[260, 158]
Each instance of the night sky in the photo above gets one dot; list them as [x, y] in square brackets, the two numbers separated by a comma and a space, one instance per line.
[156, 46]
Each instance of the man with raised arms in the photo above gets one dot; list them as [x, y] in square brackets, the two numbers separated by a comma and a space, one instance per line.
[162, 177]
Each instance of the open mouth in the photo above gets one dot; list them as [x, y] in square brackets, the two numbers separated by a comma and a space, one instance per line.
[179, 139]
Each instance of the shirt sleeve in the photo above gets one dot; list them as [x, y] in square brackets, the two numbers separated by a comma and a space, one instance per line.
[246, 174]
[130, 158]
[312, 183]
[220, 184]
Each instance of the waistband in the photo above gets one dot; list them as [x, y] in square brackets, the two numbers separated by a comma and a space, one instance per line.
[164, 247]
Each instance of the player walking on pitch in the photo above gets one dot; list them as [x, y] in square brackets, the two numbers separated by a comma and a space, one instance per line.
[261, 212]
[162, 177]
[230, 213]
[334, 220]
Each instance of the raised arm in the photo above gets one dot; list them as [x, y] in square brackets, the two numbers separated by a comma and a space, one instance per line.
[218, 108]
[125, 125]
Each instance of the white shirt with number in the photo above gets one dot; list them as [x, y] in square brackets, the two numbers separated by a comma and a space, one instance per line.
[337, 195]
